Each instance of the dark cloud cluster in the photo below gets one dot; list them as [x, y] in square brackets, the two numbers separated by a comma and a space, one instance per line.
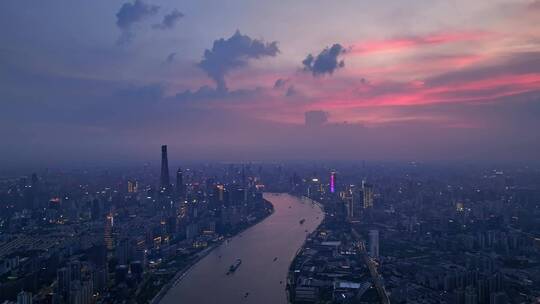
[327, 62]
[170, 57]
[131, 13]
[280, 83]
[169, 20]
[316, 118]
[285, 84]
[291, 91]
[232, 53]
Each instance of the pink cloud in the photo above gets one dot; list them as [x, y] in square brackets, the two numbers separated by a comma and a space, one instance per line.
[417, 93]
[401, 43]
[418, 66]
[363, 102]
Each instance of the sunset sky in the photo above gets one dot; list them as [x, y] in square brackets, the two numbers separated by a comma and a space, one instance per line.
[235, 80]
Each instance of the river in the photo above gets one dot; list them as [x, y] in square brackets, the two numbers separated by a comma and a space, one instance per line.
[278, 236]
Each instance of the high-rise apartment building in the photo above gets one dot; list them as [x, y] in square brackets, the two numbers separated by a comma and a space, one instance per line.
[374, 243]
[108, 231]
[367, 191]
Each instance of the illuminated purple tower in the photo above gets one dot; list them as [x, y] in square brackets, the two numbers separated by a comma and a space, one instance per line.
[333, 182]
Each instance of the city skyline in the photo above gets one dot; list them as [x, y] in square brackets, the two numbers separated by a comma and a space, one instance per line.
[308, 232]
[416, 80]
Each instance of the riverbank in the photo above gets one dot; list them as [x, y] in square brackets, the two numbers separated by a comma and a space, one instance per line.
[333, 245]
[290, 285]
[200, 255]
[265, 250]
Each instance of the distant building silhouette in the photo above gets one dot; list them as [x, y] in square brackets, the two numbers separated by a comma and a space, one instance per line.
[180, 188]
[24, 297]
[165, 182]
[133, 186]
[108, 233]
[374, 243]
[64, 279]
[367, 191]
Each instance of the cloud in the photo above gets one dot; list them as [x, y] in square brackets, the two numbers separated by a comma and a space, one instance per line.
[206, 93]
[233, 53]
[534, 5]
[113, 115]
[520, 63]
[409, 42]
[291, 91]
[144, 93]
[506, 75]
[169, 20]
[170, 57]
[131, 13]
[315, 118]
[125, 37]
[280, 83]
[285, 84]
[203, 93]
[326, 62]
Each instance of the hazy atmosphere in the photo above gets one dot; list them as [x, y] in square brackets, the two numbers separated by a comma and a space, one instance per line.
[245, 80]
[269, 152]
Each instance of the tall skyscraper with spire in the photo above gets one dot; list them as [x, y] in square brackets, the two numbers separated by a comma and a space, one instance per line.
[165, 182]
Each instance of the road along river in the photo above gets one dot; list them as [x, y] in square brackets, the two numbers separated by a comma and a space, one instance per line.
[266, 251]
